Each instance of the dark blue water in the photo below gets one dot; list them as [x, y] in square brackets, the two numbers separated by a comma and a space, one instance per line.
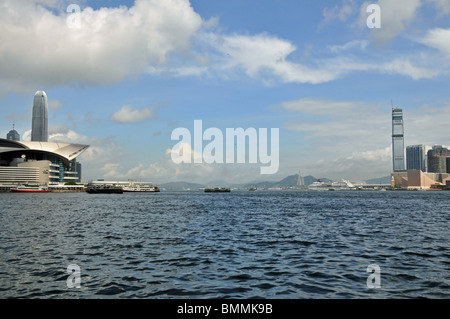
[281, 244]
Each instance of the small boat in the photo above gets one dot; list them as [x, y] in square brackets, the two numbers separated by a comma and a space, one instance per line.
[104, 189]
[252, 189]
[217, 190]
[30, 189]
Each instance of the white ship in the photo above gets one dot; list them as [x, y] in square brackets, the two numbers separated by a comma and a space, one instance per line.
[330, 186]
[140, 187]
[130, 186]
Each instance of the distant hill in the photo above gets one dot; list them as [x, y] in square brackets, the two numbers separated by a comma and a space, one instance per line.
[288, 181]
[180, 186]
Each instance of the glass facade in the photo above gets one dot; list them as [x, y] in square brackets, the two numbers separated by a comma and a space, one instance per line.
[416, 158]
[437, 159]
[39, 124]
[398, 148]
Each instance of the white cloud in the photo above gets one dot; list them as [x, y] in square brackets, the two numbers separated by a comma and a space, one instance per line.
[359, 44]
[341, 12]
[267, 58]
[396, 16]
[54, 104]
[404, 66]
[443, 6]
[37, 48]
[127, 115]
[438, 38]
[331, 131]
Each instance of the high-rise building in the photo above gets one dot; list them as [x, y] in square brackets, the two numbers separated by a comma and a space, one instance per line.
[416, 158]
[13, 135]
[398, 148]
[39, 124]
[437, 159]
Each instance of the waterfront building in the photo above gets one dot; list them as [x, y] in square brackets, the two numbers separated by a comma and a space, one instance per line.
[398, 149]
[416, 179]
[416, 158]
[79, 172]
[437, 159]
[41, 163]
[13, 135]
[39, 125]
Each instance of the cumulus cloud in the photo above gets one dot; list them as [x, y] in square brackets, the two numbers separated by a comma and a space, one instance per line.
[331, 131]
[127, 115]
[396, 16]
[38, 46]
[438, 38]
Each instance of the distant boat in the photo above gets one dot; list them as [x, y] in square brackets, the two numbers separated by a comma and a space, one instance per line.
[104, 189]
[217, 190]
[252, 189]
[30, 189]
[140, 188]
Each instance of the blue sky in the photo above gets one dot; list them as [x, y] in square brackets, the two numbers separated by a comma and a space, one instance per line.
[132, 71]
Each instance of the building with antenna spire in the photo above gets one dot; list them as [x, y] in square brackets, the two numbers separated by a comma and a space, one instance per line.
[38, 161]
[398, 145]
[13, 135]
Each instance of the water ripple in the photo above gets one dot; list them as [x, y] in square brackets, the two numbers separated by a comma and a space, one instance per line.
[235, 245]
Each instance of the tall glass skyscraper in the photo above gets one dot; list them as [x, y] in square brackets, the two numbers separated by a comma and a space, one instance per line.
[416, 157]
[398, 145]
[39, 125]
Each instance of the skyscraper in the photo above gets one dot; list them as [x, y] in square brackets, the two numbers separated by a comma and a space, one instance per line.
[13, 135]
[398, 148]
[416, 157]
[39, 125]
[437, 159]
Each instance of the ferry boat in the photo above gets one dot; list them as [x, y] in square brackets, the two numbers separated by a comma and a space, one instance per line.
[217, 190]
[30, 189]
[104, 189]
[329, 186]
[138, 187]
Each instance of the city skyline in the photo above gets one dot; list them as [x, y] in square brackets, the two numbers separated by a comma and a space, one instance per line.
[315, 71]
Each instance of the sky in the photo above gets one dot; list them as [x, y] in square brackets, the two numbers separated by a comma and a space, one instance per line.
[121, 76]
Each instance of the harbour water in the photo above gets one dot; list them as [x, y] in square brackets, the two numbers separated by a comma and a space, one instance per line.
[263, 244]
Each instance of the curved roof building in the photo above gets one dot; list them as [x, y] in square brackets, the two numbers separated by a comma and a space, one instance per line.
[39, 124]
[38, 162]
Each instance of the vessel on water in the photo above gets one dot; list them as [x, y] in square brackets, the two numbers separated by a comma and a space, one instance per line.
[217, 190]
[104, 189]
[330, 186]
[30, 189]
[138, 187]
